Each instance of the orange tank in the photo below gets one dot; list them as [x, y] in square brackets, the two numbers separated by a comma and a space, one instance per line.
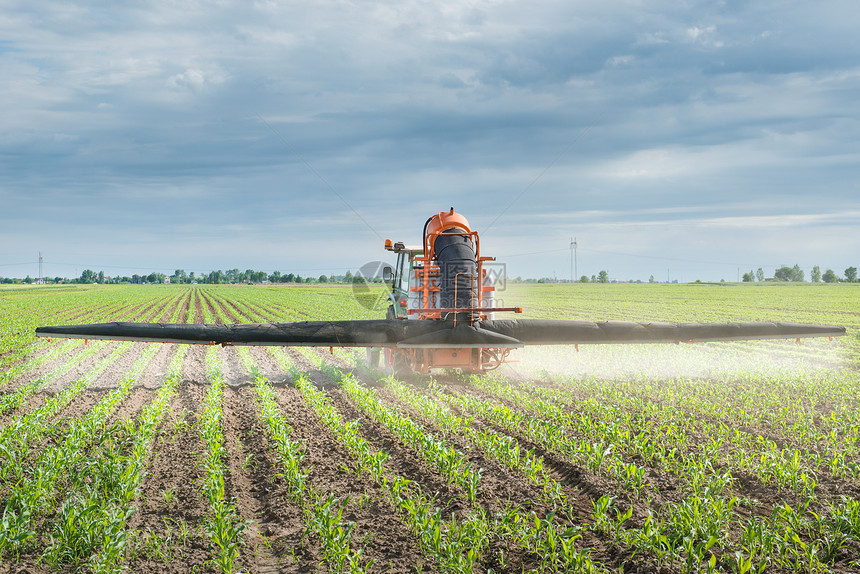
[441, 221]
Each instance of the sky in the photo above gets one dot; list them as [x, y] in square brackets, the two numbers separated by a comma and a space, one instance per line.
[684, 140]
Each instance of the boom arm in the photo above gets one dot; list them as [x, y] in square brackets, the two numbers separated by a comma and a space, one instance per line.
[439, 334]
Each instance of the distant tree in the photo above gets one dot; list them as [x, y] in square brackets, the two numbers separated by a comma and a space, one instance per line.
[815, 276]
[759, 274]
[583, 279]
[594, 278]
[749, 277]
[651, 279]
[299, 279]
[829, 276]
[348, 277]
[28, 280]
[88, 276]
[603, 277]
[782, 274]
[322, 279]
[101, 277]
[851, 274]
[58, 280]
[275, 277]
[797, 273]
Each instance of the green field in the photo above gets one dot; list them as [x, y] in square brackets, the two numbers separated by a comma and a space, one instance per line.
[718, 457]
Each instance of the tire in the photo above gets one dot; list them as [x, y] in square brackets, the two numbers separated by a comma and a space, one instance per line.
[373, 357]
[395, 363]
[401, 368]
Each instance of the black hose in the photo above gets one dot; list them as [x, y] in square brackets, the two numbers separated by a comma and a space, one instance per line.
[455, 254]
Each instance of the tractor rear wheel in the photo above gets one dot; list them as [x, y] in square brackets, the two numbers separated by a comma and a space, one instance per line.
[373, 357]
[395, 362]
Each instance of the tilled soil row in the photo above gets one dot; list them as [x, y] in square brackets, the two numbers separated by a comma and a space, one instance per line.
[169, 308]
[81, 405]
[385, 539]
[209, 305]
[499, 488]
[140, 310]
[186, 308]
[582, 487]
[500, 484]
[668, 487]
[828, 489]
[170, 507]
[199, 317]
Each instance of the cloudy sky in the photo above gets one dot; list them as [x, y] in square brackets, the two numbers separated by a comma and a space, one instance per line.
[685, 140]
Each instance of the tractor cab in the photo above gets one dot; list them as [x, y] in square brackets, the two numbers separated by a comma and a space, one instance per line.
[404, 271]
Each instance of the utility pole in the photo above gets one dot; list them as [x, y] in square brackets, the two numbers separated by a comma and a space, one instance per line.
[573, 267]
[41, 280]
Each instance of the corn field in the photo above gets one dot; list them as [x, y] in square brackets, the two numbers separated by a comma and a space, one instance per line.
[724, 457]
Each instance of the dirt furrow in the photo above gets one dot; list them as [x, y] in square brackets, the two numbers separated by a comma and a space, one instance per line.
[404, 460]
[386, 540]
[170, 509]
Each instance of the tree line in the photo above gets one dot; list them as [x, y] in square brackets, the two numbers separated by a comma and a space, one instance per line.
[795, 273]
[180, 276]
[234, 276]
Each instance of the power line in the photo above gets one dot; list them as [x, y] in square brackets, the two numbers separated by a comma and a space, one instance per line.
[563, 152]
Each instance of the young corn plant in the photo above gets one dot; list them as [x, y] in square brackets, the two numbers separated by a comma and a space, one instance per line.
[555, 544]
[455, 544]
[125, 491]
[12, 401]
[34, 491]
[448, 461]
[223, 525]
[323, 513]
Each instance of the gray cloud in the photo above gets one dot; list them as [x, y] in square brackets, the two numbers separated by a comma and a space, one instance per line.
[145, 120]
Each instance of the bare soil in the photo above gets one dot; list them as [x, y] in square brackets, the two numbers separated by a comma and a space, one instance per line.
[170, 509]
